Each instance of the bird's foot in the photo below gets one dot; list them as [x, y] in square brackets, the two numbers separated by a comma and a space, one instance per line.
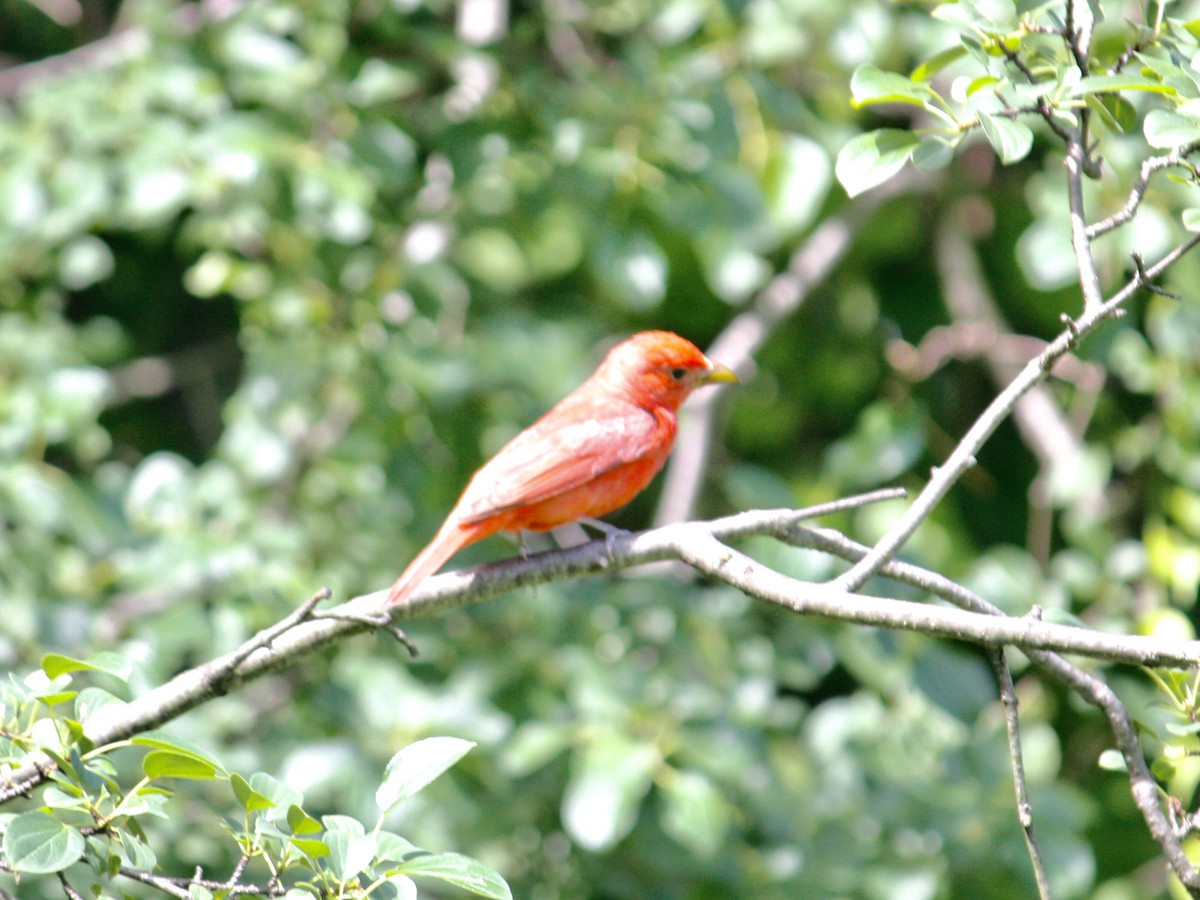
[610, 532]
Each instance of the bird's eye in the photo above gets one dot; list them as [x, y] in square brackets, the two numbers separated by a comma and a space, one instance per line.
[678, 373]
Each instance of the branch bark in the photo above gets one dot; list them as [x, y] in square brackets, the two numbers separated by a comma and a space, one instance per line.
[697, 543]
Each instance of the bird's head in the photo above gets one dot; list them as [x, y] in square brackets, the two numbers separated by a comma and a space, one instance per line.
[661, 368]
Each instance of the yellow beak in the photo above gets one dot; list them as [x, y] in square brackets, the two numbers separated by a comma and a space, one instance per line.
[718, 374]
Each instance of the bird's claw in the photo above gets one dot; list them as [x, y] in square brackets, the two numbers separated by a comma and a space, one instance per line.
[610, 532]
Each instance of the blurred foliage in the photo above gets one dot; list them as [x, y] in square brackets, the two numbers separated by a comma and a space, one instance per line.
[275, 277]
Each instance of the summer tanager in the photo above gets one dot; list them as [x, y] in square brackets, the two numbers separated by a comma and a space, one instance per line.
[590, 454]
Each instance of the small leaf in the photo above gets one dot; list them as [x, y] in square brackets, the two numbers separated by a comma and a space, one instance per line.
[405, 887]
[55, 664]
[1162, 769]
[393, 848]
[609, 780]
[37, 843]
[415, 766]
[872, 158]
[301, 822]
[458, 870]
[135, 853]
[251, 800]
[937, 62]
[696, 814]
[1117, 113]
[1165, 129]
[310, 846]
[1011, 139]
[870, 84]
[933, 153]
[1191, 219]
[1104, 84]
[282, 795]
[349, 853]
[170, 764]
[160, 741]
[1111, 760]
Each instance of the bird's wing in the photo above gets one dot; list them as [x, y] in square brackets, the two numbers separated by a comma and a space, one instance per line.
[580, 439]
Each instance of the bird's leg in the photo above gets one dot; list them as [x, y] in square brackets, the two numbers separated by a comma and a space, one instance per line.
[523, 552]
[610, 532]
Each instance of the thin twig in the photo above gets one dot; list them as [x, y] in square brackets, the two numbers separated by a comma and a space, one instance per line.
[1094, 691]
[820, 254]
[1177, 157]
[1012, 724]
[963, 455]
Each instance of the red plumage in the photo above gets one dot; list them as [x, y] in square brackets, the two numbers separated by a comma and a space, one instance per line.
[593, 452]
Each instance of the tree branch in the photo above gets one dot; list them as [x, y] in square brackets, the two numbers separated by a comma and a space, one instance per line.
[1094, 691]
[1012, 724]
[697, 543]
[963, 455]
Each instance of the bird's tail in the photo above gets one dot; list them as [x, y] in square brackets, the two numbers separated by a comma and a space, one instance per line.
[449, 540]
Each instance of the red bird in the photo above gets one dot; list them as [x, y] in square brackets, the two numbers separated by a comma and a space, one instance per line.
[590, 454]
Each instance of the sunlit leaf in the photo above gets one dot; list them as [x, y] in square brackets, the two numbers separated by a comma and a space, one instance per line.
[251, 800]
[168, 764]
[1166, 130]
[458, 870]
[415, 766]
[1012, 139]
[695, 813]
[609, 779]
[937, 62]
[872, 158]
[870, 84]
[55, 664]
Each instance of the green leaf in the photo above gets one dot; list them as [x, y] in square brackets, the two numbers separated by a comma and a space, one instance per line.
[92, 701]
[1105, 84]
[1010, 138]
[283, 796]
[609, 779]
[872, 158]
[158, 740]
[1191, 219]
[393, 848]
[405, 887]
[934, 152]
[1166, 130]
[869, 84]
[980, 83]
[937, 62]
[172, 764]
[415, 766]
[695, 813]
[351, 849]
[458, 870]
[135, 852]
[1163, 770]
[301, 822]
[1117, 113]
[37, 843]
[1111, 760]
[251, 800]
[532, 746]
